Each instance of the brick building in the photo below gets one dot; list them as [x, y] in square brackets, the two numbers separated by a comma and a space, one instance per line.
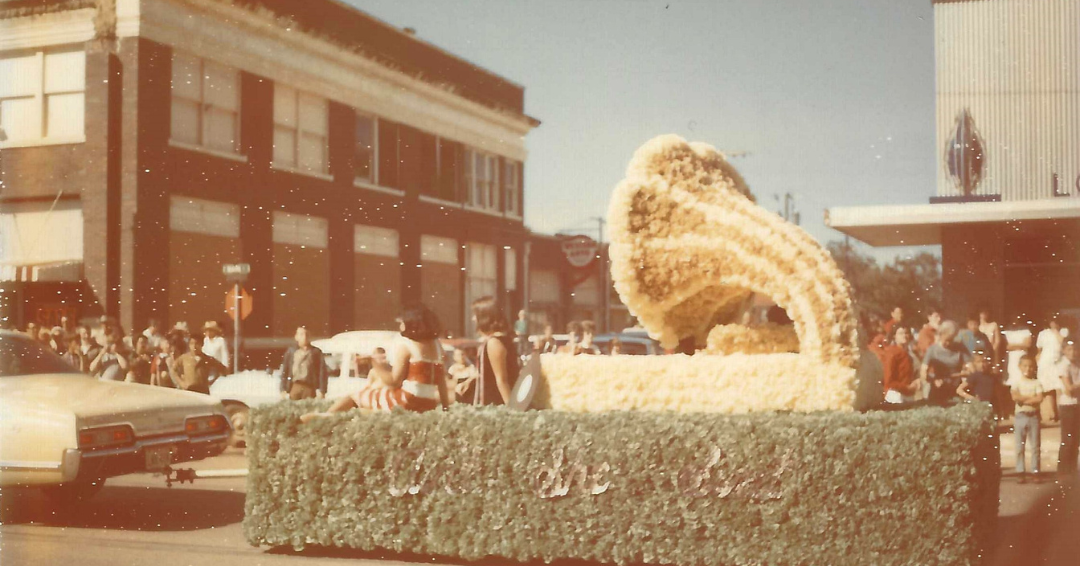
[354, 166]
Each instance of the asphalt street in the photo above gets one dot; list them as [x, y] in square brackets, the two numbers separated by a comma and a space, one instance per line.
[137, 520]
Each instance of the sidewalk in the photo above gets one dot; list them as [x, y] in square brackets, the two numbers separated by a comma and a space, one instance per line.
[1038, 523]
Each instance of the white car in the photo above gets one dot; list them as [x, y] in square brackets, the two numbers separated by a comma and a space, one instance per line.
[66, 432]
[243, 391]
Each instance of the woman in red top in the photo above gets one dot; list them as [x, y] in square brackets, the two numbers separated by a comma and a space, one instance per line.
[418, 382]
[900, 382]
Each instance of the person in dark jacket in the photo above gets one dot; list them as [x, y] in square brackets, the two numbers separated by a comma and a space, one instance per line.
[303, 370]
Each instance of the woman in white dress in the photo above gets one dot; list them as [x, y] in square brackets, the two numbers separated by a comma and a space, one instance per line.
[992, 330]
[1018, 340]
[1049, 345]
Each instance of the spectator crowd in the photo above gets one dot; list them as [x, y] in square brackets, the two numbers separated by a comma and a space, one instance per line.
[1028, 374]
[177, 358]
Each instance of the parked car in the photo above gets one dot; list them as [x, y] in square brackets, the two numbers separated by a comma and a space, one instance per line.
[560, 339]
[467, 345]
[634, 343]
[263, 352]
[346, 360]
[66, 432]
[243, 391]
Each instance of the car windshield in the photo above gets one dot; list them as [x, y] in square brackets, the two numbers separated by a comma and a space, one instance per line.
[20, 355]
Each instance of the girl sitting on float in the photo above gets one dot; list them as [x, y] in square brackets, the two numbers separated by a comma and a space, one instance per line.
[417, 383]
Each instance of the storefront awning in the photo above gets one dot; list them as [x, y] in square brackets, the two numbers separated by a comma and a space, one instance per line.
[41, 241]
[68, 271]
[920, 224]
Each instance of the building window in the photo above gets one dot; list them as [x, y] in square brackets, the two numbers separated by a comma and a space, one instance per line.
[42, 97]
[481, 276]
[205, 103]
[449, 170]
[388, 154]
[301, 230]
[418, 159]
[204, 217]
[365, 153]
[510, 262]
[371, 240]
[301, 122]
[512, 187]
[544, 287]
[435, 249]
[482, 180]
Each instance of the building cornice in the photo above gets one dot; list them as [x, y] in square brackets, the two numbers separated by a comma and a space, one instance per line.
[921, 224]
[48, 29]
[257, 43]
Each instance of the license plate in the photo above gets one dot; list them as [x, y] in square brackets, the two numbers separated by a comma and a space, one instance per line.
[158, 457]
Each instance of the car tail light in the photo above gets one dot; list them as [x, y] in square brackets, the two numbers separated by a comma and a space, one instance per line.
[201, 426]
[106, 437]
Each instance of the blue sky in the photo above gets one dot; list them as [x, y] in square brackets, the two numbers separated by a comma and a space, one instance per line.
[833, 99]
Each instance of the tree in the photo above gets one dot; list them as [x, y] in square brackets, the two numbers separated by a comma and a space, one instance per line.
[912, 283]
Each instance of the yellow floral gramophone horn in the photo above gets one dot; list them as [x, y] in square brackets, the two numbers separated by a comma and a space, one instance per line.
[687, 240]
[688, 246]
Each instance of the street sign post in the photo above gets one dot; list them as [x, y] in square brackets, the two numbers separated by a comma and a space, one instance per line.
[237, 303]
[236, 272]
[238, 298]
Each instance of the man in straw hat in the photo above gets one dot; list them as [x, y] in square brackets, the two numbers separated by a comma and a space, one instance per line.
[214, 343]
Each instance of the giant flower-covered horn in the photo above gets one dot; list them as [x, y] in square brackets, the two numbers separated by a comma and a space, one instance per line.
[688, 248]
[688, 243]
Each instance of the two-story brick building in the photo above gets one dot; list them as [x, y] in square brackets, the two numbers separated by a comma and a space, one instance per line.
[354, 166]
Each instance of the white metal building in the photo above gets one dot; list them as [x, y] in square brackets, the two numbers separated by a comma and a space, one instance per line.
[1007, 210]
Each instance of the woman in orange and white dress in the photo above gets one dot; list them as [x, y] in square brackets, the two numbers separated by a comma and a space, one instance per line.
[418, 383]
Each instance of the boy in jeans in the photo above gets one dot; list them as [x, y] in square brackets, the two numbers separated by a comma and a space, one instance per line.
[1028, 394]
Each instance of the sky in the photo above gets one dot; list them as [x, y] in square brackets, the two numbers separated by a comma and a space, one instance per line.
[832, 100]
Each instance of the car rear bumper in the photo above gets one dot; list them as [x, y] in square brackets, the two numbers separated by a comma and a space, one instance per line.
[93, 464]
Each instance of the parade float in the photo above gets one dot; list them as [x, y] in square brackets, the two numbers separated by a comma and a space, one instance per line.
[746, 452]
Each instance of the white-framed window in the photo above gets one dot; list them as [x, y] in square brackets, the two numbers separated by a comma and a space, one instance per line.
[481, 276]
[436, 249]
[510, 261]
[201, 216]
[588, 292]
[205, 104]
[43, 97]
[301, 230]
[545, 287]
[372, 240]
[512, 187]
[365, 150]
[301, 123]
[482, 179]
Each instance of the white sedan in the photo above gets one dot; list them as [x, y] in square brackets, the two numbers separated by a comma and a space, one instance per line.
[67, 432]
[243, 391]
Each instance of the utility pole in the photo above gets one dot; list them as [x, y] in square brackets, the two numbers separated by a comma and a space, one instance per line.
[788, 213]
[605, 292]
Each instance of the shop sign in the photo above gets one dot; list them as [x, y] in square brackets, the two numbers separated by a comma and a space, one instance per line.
[580, 251]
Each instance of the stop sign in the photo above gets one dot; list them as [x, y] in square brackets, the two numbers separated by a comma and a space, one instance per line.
[230, 303]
